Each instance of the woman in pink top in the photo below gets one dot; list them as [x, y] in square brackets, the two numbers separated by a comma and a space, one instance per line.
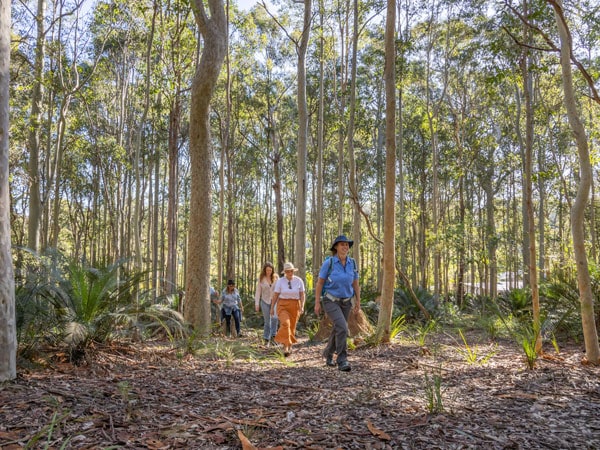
[262, 300]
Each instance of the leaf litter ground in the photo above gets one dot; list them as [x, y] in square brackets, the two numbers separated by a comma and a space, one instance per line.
[397, 396]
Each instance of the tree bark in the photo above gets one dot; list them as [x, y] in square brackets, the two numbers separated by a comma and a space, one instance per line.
[586, 296]
[170, 284]
[214, 32]
[300, 241]
[528, 163]
[389, 216]
[319, 226]
[35, 202]
[8, 325]
[353, 182]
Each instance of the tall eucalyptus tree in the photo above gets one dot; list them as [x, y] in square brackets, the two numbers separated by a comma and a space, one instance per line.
[175, 34]
[586, 296]
[528, 181]
[8, 324]
[389, 215]
[353, 182]
[213, 29]
[35, 118]
[301, 48]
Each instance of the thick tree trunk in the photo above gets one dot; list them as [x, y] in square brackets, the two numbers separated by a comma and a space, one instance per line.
[586, 296]
[8, 326]
[389, 216]
[214, 32]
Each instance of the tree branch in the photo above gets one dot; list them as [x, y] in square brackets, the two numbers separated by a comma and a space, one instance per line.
[552, 46]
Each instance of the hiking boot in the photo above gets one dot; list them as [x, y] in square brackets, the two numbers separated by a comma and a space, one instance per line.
[330, 362]
[344, 366]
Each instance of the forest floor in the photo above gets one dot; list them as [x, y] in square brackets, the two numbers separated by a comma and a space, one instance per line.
[241, 394]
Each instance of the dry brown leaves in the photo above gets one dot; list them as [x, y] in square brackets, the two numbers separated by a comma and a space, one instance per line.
[146, 397]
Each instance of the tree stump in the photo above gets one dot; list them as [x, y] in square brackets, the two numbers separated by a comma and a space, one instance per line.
[357, 324]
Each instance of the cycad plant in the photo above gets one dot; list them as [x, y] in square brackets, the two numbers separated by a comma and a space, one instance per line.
[75, 304]
[97, 301]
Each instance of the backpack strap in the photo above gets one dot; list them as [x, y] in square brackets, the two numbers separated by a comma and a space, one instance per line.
[330, 267]
[323, 290]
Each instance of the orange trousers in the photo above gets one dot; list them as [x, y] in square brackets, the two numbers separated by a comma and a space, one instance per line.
[288, 312]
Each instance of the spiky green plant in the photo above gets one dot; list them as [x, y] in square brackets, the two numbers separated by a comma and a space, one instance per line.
[424, 330]
[398, 326]
[73, 303]
[434, 392]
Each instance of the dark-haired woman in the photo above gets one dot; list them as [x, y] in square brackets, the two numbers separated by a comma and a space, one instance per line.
[231, 305]
[262, 300]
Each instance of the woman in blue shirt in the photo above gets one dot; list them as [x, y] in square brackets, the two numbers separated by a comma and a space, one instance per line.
[338, 282]
[231, 305]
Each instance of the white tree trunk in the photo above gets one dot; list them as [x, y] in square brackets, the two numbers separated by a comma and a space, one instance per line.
[8, 329]
[586, 297]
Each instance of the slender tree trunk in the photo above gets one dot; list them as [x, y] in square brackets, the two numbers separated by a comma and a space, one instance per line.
[228, 191]
[221, 224]
[173, 186]
[542, 217]
[318, 248]
[300, 241]
[389, 214]
[525, 230]
[8, 324]
[35, 202]
[490, 229]
[214, 32]
[533, 275]
[278, 204]
[137, 163]
[342, 112]
[586, 296]
[356, 219]
[404, 37]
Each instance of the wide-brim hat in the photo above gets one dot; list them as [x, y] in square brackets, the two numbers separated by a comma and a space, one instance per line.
[289, 266]
[341, 238]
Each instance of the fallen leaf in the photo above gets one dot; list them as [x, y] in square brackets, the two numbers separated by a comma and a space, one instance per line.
[246, 444]
[377, 432]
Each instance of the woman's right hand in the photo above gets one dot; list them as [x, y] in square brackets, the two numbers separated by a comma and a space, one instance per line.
[317, 307]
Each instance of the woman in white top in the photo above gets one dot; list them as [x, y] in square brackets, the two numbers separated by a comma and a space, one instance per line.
[288, 296]
[262, 300]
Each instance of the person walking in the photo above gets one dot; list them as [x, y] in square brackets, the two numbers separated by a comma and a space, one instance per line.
[288, 299]
[262, 300]
[231, 305]
[338, 289]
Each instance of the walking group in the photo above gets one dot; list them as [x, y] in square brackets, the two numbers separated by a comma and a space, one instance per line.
[281, 301]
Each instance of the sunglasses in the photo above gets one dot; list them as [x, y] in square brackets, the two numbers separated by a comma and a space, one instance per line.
[290, 284]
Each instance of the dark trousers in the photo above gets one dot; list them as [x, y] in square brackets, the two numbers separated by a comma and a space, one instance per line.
[338, 312]
[236, 313]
